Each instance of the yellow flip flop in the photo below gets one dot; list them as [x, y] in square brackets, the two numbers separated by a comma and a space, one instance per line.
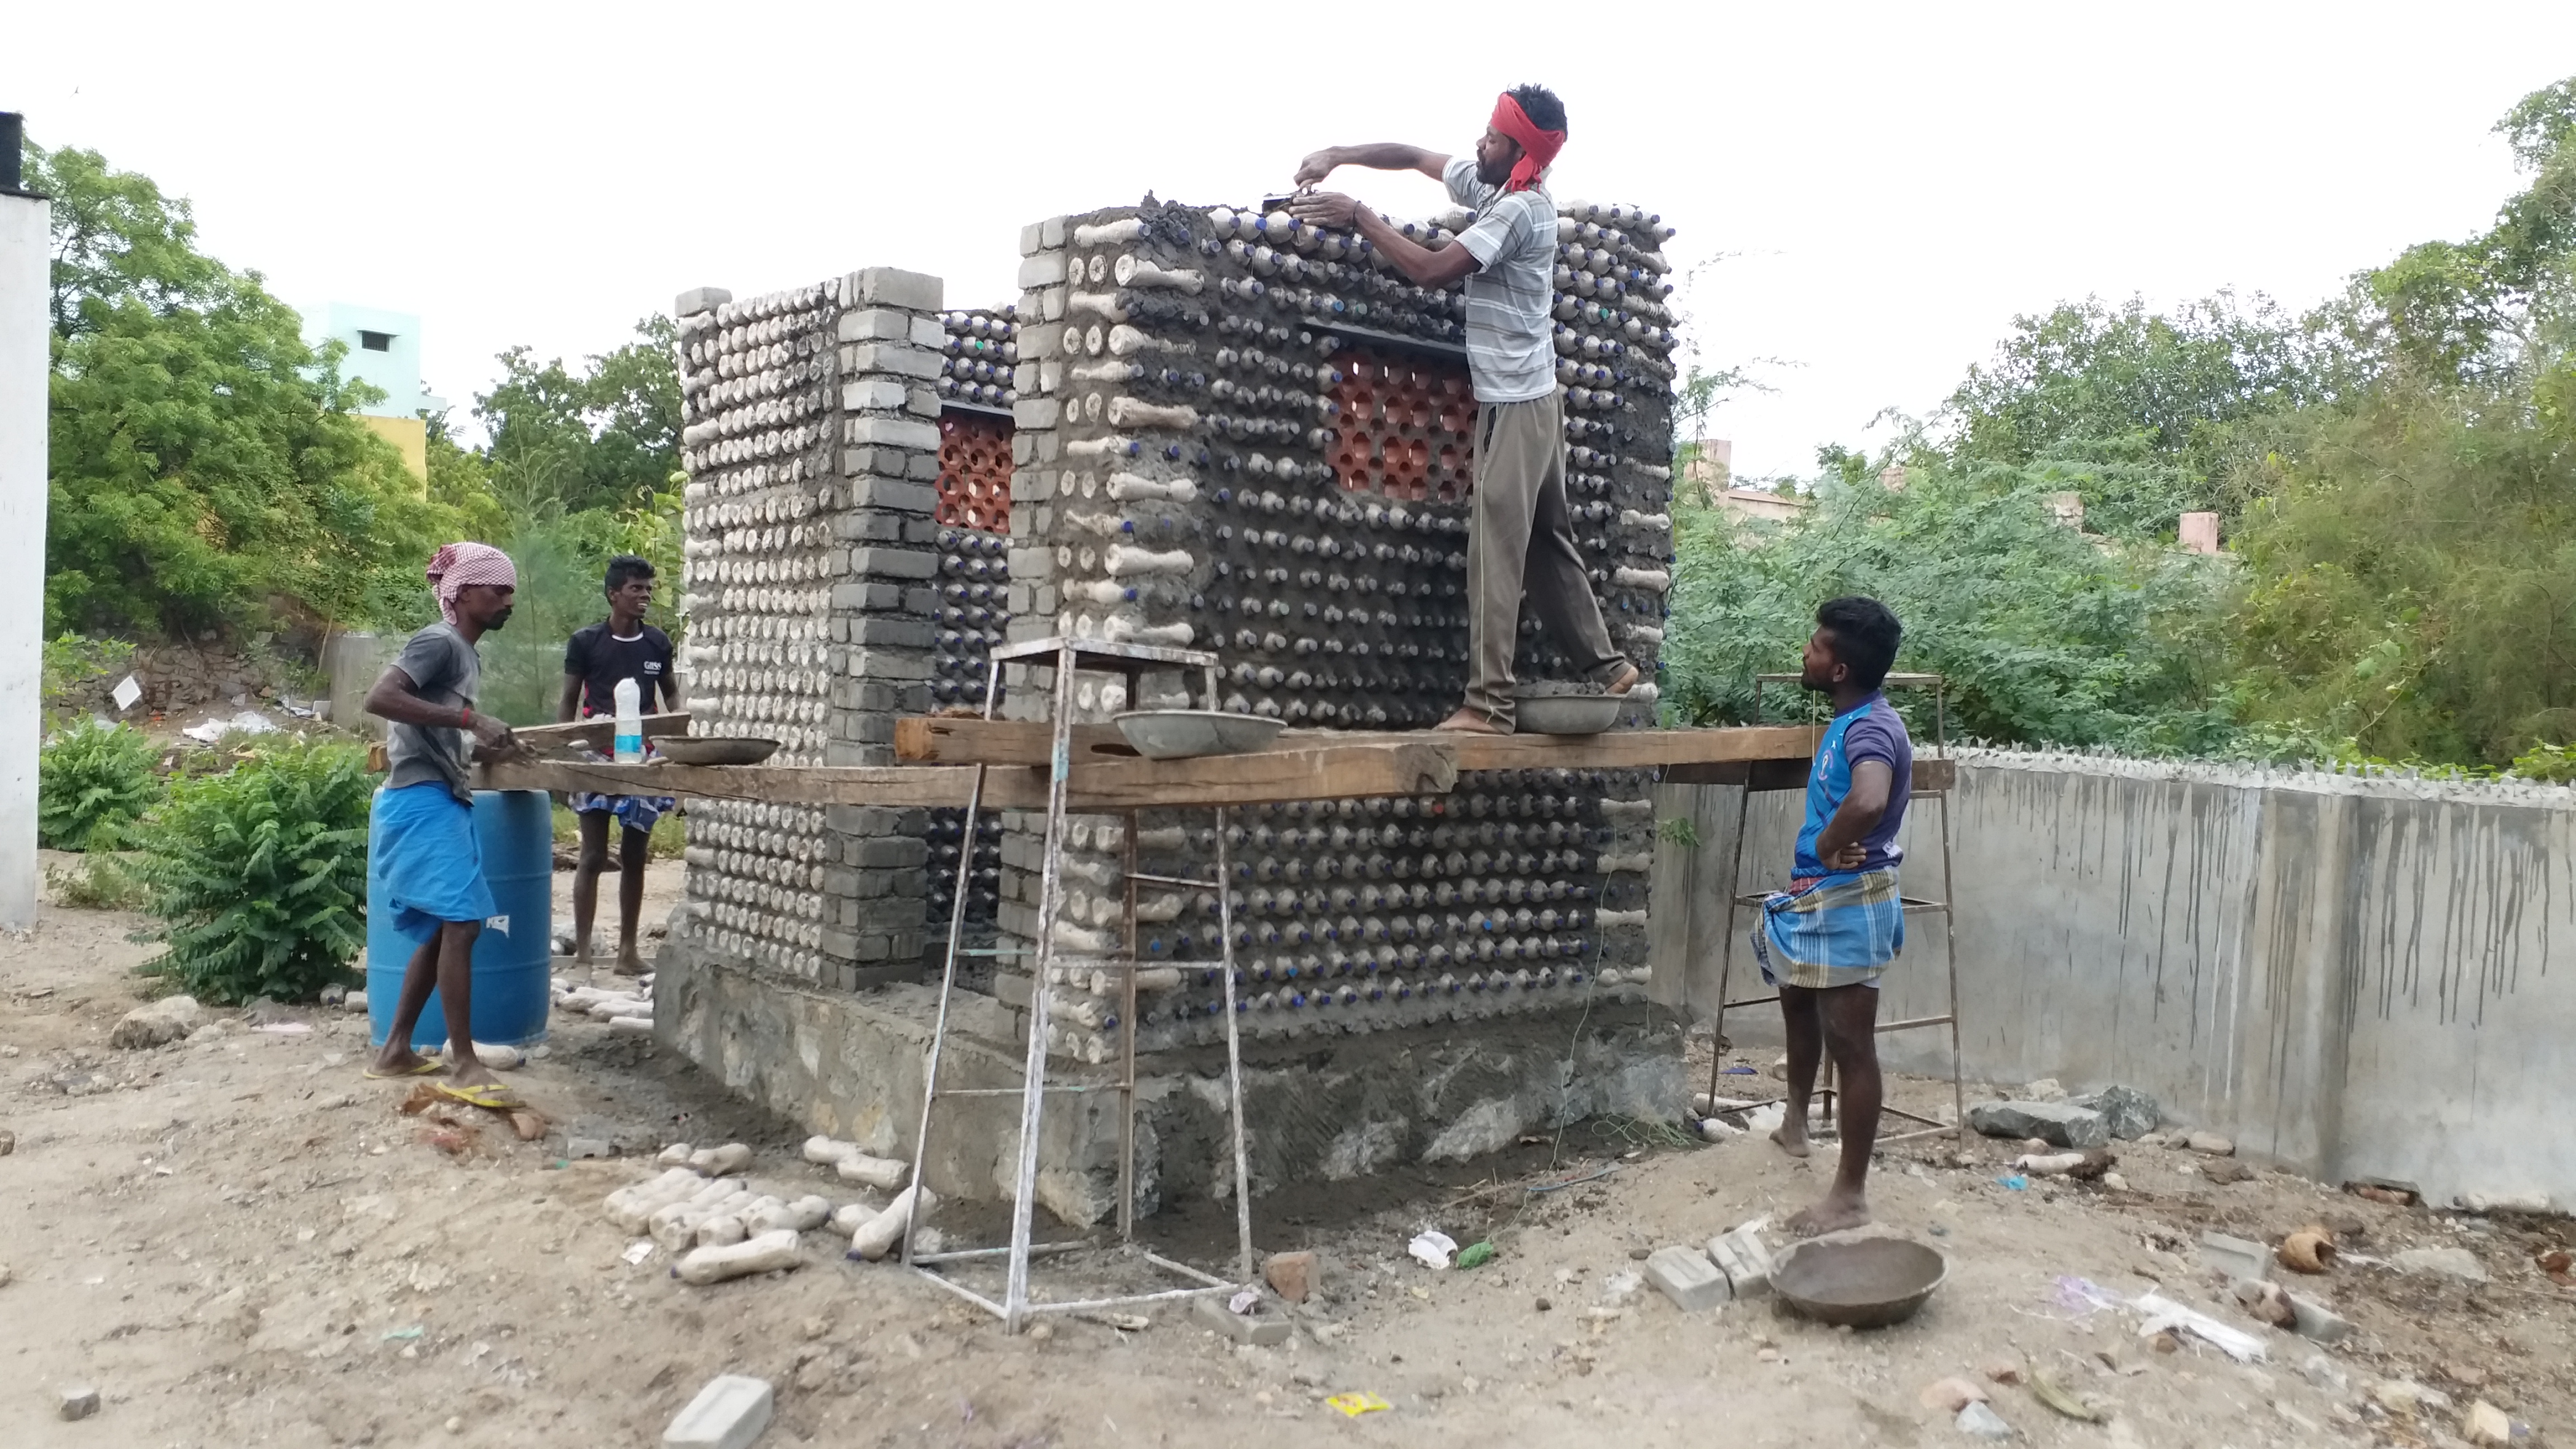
[490, 1096]
[429, 1067]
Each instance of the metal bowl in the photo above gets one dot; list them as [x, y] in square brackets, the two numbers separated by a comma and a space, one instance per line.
[715, 749]
[1865, 1282]
[1567, 714]
[1181, 734]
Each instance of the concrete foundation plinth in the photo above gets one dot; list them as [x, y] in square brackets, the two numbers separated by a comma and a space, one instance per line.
[1318, 1107]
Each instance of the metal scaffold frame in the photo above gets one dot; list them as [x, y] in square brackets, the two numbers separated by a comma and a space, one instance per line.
[1016, 1306]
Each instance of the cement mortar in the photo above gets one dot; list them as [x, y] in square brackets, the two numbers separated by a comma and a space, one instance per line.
[1333, 1109]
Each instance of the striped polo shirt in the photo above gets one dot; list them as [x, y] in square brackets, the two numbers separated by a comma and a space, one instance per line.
[1510, 353]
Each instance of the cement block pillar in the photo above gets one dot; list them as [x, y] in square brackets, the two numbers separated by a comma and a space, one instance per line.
[26, 224]
[888, 355]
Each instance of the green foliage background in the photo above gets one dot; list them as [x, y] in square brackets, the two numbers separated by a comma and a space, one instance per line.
[2395, 472]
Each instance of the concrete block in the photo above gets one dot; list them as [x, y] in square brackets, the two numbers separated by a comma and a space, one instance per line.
[921, 402]
[1741, 1255]
[901, 359]
[2236, 1257]
[889, 664]
[1694, 1283]
[890, 563]
[699, 299]
[2060, 1123]
[1045, 269]
[2313, 1320]
[729, 1413]
[894, 287]
[1032, 238]
[1052, 231]
[927, 332]
[882, 394]
[1051, 304]
[1035, 412]
[1262, 1330]
[902, 433]
[893, 494]
[891, 632]
[874, 324]
[1039, 343]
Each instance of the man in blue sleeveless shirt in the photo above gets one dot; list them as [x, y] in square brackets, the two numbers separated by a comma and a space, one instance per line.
[1826, 940]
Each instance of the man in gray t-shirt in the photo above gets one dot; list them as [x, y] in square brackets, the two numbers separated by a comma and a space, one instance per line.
[1522, 536]
[422, 849]
[444, 671]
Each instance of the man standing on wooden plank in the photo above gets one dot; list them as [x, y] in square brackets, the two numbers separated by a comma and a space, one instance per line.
[1826, 940]
[1523, 532]
[598, 658]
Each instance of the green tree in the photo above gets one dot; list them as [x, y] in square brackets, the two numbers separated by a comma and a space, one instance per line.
[2411, 565]
[2158, 397]
[2044, 635]
[605, 437]
[205, 460]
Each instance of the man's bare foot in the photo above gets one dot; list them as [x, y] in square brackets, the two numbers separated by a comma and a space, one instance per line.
[1792, 1138]
[1832, 1213]
[631, 964]
[1472, 721]
[1626, 680]
[472, 1074]
[397, 1059]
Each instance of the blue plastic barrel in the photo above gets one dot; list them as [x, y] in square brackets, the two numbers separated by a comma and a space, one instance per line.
[511, 957]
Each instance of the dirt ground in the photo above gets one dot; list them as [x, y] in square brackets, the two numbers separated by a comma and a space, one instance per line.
[239, 1241]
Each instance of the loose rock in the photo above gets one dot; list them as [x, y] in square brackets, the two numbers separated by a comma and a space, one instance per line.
[2209, 1142]
[2058, 1124]
[2486, 1424]
[79, 1403]
[1291, 1275]
[2127, 1113]
[170, 1019]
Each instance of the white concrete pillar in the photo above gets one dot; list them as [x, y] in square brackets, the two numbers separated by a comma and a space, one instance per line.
[25, 286]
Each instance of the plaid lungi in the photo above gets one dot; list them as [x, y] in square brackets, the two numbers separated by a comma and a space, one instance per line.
[1841, 930]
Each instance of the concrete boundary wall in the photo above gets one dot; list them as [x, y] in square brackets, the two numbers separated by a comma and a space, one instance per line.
[2351, 976]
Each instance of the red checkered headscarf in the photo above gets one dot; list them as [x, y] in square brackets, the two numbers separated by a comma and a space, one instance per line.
[1538, 148]
[457, 567]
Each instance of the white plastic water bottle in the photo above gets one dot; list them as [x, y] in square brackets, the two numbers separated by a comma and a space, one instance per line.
[630, 723]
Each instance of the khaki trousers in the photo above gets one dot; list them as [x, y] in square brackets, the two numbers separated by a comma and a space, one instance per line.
[1522, 541]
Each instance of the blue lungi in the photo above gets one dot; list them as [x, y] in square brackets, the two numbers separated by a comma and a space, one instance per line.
[431, 861]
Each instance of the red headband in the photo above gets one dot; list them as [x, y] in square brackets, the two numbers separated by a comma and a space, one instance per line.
[1538, 148]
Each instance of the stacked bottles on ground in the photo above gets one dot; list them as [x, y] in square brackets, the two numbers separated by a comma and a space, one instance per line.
[973, 605]
[758, 438]
[1254, 437]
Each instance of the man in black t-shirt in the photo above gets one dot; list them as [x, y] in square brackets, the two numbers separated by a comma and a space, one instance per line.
[621, 647]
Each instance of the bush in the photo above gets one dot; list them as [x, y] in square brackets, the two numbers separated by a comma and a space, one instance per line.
[92, 782]
[259, 876]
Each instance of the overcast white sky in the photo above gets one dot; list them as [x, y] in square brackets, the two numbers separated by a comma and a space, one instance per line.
[1890, 184]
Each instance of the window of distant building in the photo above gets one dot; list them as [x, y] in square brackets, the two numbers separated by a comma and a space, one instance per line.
[376, 341]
